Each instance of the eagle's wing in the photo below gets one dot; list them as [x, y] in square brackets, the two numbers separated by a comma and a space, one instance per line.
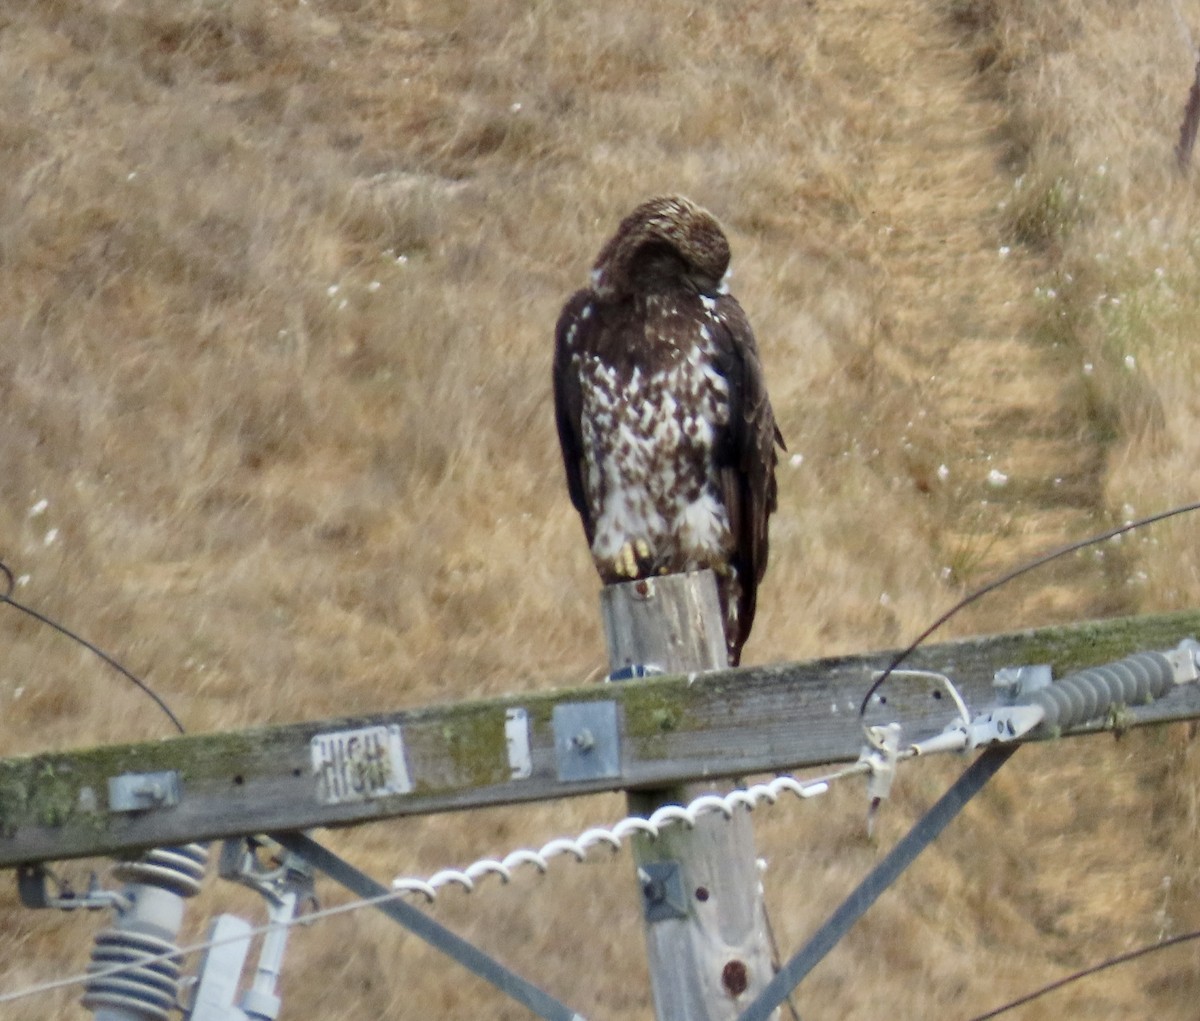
[745, 456]
[568, 402]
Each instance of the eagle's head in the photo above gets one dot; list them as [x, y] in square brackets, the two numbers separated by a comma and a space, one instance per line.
[665, 239]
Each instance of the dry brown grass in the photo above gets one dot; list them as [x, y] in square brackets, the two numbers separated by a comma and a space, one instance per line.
[278, 285]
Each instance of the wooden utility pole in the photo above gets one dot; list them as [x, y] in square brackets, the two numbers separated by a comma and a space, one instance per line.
[706, 925]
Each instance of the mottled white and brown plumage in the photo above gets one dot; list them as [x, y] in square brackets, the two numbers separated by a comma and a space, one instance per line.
[668, 437]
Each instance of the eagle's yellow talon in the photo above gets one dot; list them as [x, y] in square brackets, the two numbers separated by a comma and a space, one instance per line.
[627, 561]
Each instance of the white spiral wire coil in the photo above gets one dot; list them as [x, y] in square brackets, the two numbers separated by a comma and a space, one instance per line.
[612, 838]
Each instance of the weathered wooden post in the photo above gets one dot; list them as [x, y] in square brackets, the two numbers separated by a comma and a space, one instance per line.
[706, 926]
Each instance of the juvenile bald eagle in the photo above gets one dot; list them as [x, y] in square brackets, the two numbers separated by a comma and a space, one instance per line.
[667, 434]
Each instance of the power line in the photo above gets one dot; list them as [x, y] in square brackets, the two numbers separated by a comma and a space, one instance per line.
[195, 948]
[1012, 575]
[1112, 962]
[6, 597]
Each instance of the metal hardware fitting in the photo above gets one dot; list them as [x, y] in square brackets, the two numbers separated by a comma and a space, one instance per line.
[139, 792]
[516, 740]
[881, 757]
[662, 891]
[587, 744]
[34, 882]
[1011, 682]
[1185, 661]
[285, 881]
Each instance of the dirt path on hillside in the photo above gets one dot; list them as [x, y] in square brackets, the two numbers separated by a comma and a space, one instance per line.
[1012, 442]
[1022, 459]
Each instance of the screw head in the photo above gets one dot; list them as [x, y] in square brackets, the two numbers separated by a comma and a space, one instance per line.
[735, 977]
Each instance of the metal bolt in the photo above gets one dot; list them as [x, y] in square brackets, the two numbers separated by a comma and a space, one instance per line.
[136, 792]
[1007, 681]
[153, 791]
[584, 741]
[652, 889]
[735, 978]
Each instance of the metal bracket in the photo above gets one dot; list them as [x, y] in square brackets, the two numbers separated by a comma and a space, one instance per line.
[33, 887]
[662, 891]
[1006, 723]
[1185, 661]
[516, 738]
[1012, 683]
[587, 743]
[140, 792]
[267, 868]
[881, 757]
[285, 880]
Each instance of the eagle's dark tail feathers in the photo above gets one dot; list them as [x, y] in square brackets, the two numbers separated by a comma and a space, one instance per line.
[738, 600]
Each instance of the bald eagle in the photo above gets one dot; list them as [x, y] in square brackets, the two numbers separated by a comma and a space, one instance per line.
[667, 433]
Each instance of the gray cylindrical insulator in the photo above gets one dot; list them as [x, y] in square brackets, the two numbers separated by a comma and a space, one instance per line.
[178, 869]
[142, 990]
[146, 988]
[1083, 696]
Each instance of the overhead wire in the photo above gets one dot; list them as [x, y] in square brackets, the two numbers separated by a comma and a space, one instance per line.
[1012, 575]
[966, 601]
[1112, 962]
[7, 597]
[178, 953]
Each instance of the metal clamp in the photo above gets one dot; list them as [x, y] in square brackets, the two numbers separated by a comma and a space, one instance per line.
[1185, 661]
[35, 881]
[285, 880]
[139, 792]
[1011, 683]
[662, 891]
[881, 757]
[587, 741]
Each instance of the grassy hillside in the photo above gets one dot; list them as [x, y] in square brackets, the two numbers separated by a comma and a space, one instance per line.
[277, 293]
